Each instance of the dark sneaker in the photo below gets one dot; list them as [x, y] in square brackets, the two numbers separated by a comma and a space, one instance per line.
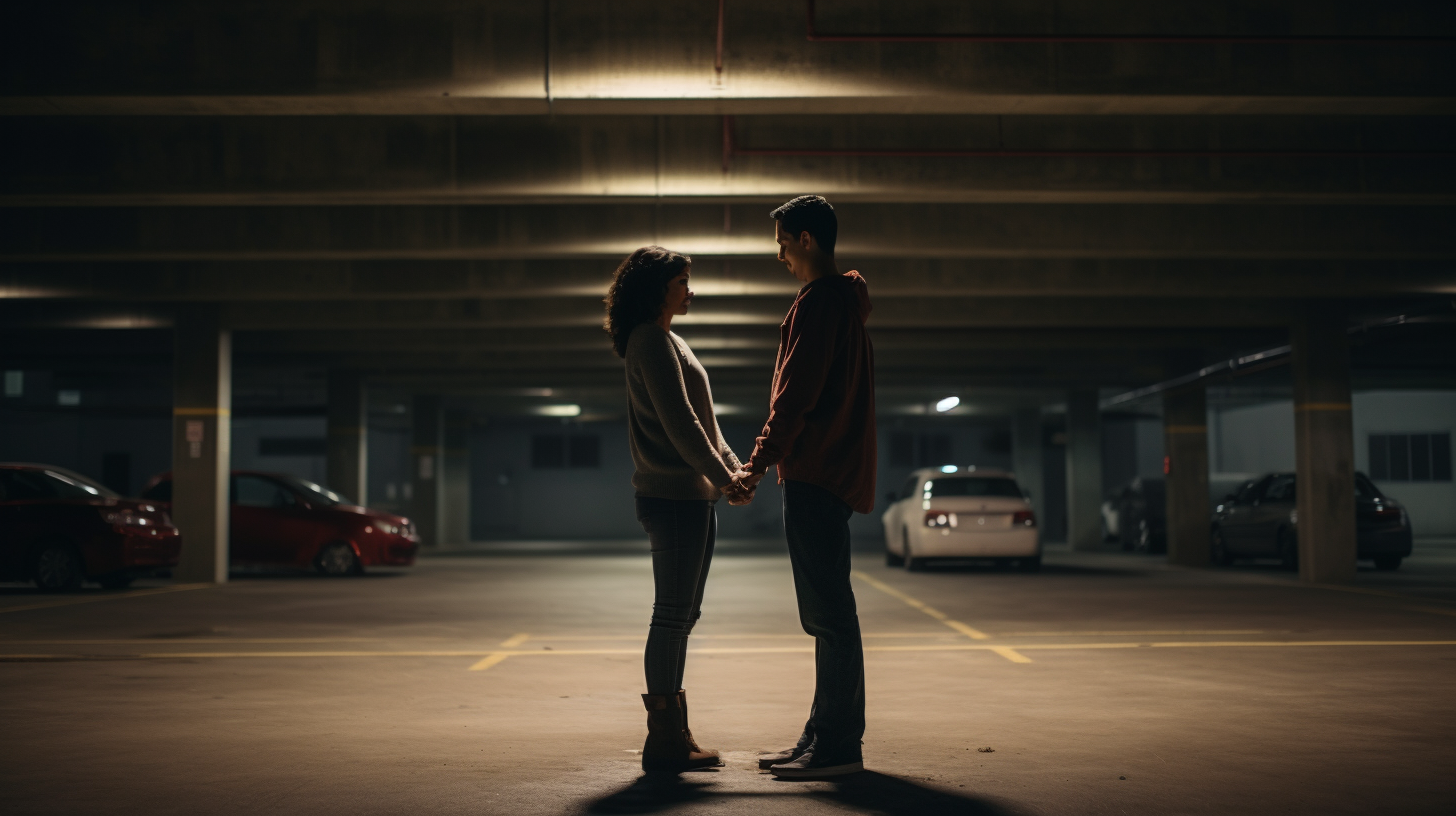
[768, 759]
[816, 765]
[771, 758]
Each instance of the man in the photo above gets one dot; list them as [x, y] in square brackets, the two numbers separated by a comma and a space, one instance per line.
[821, 435]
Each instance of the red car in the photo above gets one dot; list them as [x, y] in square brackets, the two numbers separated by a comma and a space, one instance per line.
[280, 520]
[58, 528]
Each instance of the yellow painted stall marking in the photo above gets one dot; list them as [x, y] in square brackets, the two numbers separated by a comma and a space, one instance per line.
[915, 603]
[496, 657]
[107, 596]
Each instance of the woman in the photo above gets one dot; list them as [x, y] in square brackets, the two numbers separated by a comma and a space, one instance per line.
[682, 467]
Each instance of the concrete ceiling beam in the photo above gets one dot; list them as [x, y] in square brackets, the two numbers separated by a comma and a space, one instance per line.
[918, 231]
[292, 161]
[536, 313]
[580, 55]
[714, 276]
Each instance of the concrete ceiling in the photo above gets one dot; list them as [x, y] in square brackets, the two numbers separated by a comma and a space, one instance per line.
[436, 192]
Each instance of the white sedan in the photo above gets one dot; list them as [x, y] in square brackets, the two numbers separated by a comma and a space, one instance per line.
[953, 512]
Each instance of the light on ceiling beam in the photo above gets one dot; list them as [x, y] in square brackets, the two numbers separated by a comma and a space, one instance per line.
[557, 410]
[947, 404]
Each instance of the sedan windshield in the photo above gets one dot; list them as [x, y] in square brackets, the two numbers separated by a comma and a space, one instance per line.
[316, 493]
[972, 486]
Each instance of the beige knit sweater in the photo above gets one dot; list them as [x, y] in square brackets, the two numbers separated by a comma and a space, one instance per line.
[676, 445]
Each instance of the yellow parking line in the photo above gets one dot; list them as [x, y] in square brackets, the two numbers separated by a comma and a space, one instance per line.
[1011, 654]
[108, 596]
[496, 657]
[1125, 633]
[489, 660]
[915, 603]
[1005, 651]
[1433, 610]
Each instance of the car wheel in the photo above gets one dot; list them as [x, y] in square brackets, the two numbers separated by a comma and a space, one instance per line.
[892, 560]
[911, 562]
[1220, 553]
[115, 581]
[338, 559]
[57, 567]
[1387, 562]
[1288, 550]
[1032, 564]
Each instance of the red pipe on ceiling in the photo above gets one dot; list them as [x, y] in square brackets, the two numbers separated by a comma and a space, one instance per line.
[1204, 39]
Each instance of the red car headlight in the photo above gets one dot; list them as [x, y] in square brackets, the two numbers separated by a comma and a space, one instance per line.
[126, 519]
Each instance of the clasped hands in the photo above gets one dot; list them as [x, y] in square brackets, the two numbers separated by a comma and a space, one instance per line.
[740, 491]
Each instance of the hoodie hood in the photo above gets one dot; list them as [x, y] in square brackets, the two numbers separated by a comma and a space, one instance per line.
[852, 283]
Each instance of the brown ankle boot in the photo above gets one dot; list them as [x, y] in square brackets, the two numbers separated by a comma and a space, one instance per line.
[682, 702]
[668, 749]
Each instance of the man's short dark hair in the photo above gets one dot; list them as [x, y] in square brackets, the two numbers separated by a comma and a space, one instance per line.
[811, 214]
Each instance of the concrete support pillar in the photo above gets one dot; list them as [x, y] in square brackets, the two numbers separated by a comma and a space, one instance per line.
[1324, 450]
[1084, 470]
[455, 479]
[1185, 443]
[348, 451]
[1026, 454]
[201, 443]
[428, 443]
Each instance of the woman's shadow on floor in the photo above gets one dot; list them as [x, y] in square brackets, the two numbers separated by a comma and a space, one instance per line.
[868, 791]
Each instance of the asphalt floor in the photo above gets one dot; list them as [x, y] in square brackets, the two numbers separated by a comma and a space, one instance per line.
[503, 679]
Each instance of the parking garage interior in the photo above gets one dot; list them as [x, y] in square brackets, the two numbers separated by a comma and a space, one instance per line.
[1128, 252]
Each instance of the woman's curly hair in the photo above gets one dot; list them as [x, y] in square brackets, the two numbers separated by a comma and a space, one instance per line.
[639, 288]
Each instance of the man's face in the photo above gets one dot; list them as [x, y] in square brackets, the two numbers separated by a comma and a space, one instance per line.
[795, 252]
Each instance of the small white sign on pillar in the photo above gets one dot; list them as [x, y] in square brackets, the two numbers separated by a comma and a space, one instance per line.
[194, 438]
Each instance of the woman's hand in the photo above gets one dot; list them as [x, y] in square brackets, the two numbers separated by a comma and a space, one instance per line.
[738, 494]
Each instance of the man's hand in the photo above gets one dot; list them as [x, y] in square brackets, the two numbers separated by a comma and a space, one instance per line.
[747, 479]
[737, 494]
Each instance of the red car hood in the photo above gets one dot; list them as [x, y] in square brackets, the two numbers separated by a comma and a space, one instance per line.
[368, 513]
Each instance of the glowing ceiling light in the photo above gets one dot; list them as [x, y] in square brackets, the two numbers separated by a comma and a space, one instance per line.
[558, 410]
[947, 468]
[947, 404]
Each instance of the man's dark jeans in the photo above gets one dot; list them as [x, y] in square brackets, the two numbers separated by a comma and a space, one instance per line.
[817, 526]
[682, 535]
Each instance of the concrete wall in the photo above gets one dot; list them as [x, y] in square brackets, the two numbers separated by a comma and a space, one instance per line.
[509, 499]
[1260, 438]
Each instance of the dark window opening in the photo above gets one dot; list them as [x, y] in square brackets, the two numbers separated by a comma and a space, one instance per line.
[1424, 457]
[293, 446]
[116, 472]
[920, 450]
[583, 452]
[552, 451]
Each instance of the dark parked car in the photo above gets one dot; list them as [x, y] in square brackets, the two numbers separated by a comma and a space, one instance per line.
[280, 520]
[1260, 521]
[58, 528]
[1137, 516]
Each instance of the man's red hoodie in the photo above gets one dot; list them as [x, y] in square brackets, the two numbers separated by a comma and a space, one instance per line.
[821, 421]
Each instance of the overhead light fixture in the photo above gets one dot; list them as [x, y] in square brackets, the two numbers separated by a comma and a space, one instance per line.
[558, 410]
[947, 404]
[948, 468]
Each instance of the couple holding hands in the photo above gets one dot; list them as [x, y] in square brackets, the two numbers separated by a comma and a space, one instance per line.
[820, 434]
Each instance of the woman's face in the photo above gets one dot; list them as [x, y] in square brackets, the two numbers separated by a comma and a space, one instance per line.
[679, 296]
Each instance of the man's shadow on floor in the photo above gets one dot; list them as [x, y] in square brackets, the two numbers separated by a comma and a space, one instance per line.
[867, 791]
